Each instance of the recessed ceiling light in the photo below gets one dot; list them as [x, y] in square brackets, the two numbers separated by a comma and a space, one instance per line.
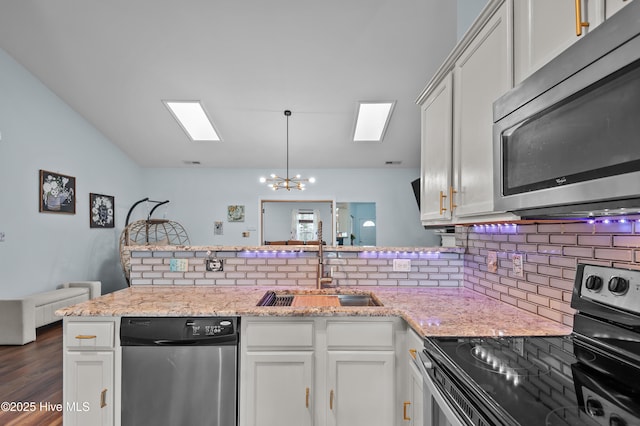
[392, 163]
[193, 119]
[192, 162]
[372, 121]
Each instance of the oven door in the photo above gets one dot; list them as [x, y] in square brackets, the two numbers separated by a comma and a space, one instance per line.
[437, 410]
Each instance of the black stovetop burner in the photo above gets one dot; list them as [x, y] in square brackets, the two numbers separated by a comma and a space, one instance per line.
[591, 377]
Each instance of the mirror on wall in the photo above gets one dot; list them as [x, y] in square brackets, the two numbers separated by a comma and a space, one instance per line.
[296, 222]
[356, 224]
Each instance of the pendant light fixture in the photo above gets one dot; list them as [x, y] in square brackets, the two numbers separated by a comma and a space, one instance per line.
[276, 182]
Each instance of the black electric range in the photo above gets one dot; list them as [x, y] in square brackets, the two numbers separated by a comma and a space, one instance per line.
[591, 377]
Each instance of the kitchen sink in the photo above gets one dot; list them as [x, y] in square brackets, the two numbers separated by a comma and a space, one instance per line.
[272, 298]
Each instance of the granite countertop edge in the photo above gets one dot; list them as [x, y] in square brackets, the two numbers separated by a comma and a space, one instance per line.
[457, 311]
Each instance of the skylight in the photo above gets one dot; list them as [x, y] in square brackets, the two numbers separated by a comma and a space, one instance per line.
[372, 121]
[193, 119]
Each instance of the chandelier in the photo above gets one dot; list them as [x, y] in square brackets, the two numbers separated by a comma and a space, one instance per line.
[276, 182]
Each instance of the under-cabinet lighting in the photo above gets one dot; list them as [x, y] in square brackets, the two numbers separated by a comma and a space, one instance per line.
[193, 119]
[372, 121]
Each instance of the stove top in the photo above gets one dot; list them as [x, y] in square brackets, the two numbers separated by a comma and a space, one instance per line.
[538, 381]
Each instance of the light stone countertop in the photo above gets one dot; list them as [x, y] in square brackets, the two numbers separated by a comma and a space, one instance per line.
[429, 311]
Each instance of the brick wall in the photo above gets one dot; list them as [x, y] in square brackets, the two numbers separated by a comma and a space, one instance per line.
[550, 253]
[299, 268]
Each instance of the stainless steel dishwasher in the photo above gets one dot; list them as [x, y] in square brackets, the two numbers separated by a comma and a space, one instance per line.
[179, 371]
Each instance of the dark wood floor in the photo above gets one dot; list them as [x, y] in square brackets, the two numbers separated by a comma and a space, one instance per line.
[32, 374]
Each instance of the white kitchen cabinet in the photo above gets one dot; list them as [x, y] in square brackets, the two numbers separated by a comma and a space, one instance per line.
[544, 28]
[481, 75]
[281, 390]
[89, 377]
[318, 371]
[413, 407]
[361, 388]
[437, 139]
[457, 120]
[89, 363]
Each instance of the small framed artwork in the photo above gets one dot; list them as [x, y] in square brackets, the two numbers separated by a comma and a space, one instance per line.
[57, 193]
[235, 213]
[217, 227]
[101, 211]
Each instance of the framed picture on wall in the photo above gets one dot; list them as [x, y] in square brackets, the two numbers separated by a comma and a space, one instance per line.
[101, 211]
[57, 193]
[235, 213]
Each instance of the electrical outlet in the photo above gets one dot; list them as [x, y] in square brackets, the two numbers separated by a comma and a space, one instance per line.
[518, 345]
[178, 265]
[401, 265]
[518, 265]
[214, 265]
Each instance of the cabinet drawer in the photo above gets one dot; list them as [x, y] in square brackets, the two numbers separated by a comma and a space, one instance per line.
[369, 334]
[89, 335]
[279, 334]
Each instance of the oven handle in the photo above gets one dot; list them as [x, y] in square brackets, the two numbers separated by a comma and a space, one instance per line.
[424, 363]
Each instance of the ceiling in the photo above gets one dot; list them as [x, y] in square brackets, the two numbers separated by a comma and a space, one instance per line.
[247, 61]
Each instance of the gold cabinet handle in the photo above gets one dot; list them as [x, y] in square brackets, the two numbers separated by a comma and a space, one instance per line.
[306, 398]
[442, 197]
[404, 410]
[331, 400]
[579, 22]
[103, 398]
[413, 353]
[86, 336]
[452, 205]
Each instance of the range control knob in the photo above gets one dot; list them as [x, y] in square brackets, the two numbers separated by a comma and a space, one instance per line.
[593, 283]
[594, 408]
[618, 285]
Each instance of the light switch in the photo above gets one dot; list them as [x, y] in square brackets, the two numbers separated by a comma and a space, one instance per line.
[1, 237]
[401, 265]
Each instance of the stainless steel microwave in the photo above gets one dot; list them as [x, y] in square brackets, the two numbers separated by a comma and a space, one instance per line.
[566, 141]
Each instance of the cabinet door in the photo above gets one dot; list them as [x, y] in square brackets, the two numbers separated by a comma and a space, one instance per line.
[544, 28]
[481, 75]
[361, 388]
[437, 119]
[277, 389]
[88, 388]
[415, 410]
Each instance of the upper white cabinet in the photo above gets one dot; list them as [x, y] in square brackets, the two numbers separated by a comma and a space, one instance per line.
[437, 139]
[544, 28]
[480, 76]
[457, 120]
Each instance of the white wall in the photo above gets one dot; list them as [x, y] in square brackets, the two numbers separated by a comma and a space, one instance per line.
[39, 131]
[468, 11]
[199, 197]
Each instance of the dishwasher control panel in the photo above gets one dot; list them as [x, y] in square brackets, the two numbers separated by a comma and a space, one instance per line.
[198, 327]
[178, 331]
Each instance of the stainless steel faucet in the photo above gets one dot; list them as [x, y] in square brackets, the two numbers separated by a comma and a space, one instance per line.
[320, 278]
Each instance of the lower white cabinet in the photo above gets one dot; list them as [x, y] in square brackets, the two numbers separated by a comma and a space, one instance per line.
[89, 386]
[413, 406]
[361, 388]
[89, 365]
[280, 390]
[317, 371]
